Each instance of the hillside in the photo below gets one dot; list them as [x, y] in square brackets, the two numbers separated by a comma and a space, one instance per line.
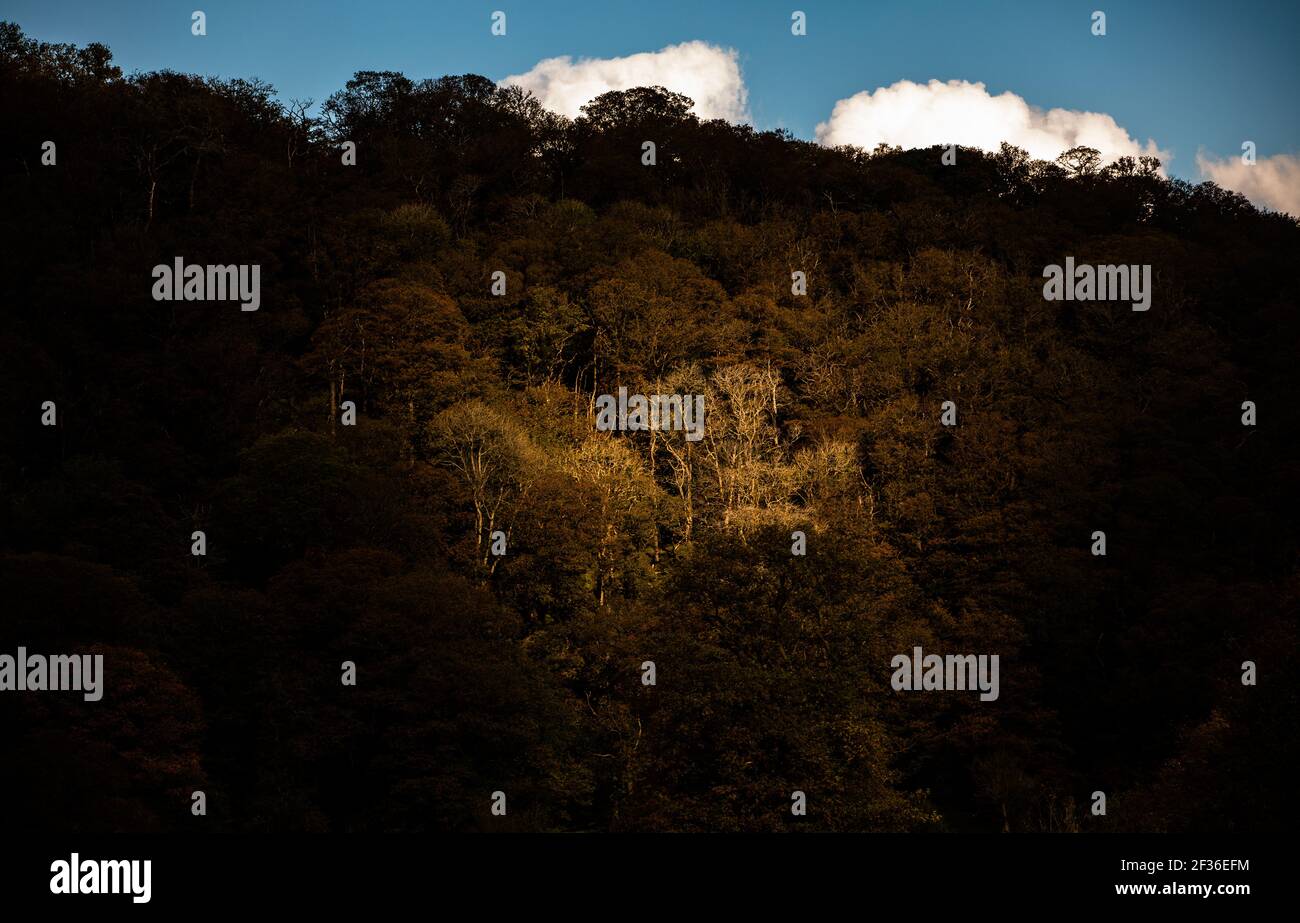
[379, 227]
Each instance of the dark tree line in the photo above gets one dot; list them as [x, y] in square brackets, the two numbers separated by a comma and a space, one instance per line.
[523, 672]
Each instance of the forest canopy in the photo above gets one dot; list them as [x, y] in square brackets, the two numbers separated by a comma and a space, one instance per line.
[474, 414]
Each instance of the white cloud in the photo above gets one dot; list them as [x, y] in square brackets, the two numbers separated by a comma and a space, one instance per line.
[706, 73]
[1272, 182]
[912, 115]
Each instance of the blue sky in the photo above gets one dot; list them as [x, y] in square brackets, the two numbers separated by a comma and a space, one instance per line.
[1190, 75]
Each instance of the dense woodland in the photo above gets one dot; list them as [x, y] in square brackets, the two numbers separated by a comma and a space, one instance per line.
[522, 673]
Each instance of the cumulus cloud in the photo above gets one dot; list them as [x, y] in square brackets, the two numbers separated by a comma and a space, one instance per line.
[911, 115]
[1271, 182]
[706, 73]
